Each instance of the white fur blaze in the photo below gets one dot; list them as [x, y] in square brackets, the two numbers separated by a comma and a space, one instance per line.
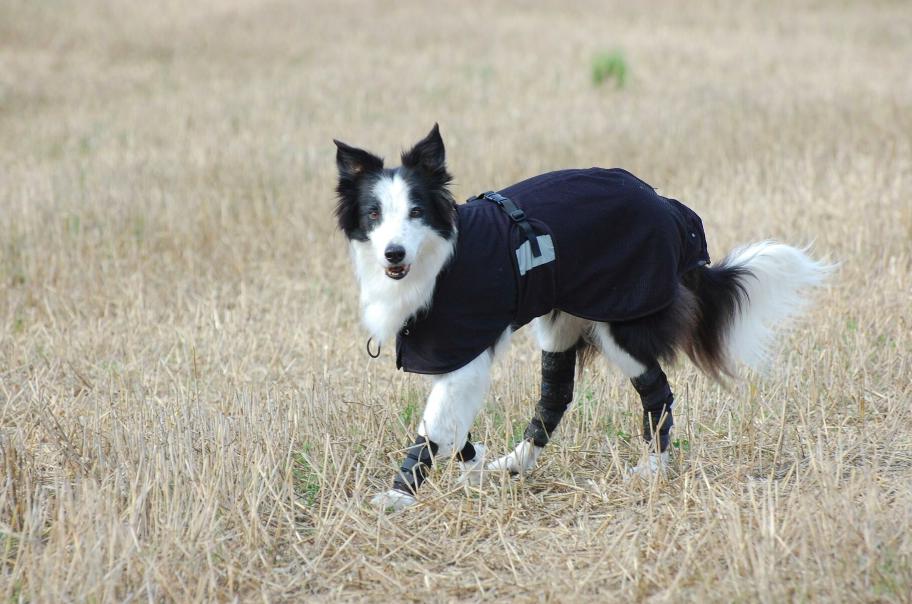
[777, 292]
[395, 227]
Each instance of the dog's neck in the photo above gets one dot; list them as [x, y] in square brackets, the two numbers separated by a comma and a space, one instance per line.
[387, 304]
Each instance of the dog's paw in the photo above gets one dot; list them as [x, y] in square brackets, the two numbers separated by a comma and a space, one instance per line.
[655, 463]
[523, 459]
[393, 500]
[473, 470]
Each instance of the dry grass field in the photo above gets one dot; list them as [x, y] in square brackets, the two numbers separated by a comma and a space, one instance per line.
[187, 412]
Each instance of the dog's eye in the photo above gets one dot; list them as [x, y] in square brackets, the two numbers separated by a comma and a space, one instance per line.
[416, 212]
[374, 214]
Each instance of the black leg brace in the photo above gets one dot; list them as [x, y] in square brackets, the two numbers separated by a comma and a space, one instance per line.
[657, 399]
[468, 451]
[415, 467]
[556, 394]
[419, 460]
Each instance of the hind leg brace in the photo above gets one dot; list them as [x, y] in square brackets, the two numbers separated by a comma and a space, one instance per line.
[556, 393]
[655, 394]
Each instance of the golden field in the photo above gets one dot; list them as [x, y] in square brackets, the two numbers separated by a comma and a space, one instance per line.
[187, 412]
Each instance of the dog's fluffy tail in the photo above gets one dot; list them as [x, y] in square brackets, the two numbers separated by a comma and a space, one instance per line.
[745, 299]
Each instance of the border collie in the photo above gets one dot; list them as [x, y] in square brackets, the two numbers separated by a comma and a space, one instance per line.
[595, 259]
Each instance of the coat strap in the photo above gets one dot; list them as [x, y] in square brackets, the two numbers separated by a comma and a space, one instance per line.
[517, 216]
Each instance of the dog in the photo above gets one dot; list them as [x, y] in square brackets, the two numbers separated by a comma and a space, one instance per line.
[595, 259]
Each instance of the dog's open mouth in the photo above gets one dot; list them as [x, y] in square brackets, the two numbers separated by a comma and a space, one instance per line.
[398, 272]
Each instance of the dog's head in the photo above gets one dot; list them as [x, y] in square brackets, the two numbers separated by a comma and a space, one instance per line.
[397, 213]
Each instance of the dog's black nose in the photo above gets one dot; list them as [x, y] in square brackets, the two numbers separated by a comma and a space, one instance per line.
[394, 253]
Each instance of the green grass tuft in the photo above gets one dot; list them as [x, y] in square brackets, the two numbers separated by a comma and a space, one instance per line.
[610, 66]
[306, 479]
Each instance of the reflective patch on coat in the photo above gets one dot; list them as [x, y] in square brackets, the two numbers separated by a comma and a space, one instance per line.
[526, 261]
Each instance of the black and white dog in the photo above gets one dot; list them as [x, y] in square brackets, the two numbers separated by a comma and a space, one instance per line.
[593, 258]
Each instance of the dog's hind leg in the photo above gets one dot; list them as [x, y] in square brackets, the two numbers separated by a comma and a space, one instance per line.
[657, 399]
[455, 400]
[628, 346]
[558, 335]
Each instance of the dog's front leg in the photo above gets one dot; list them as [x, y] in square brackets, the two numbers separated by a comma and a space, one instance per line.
[455, 400]
[556, 395]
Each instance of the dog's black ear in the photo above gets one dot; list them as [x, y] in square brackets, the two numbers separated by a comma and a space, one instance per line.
[353, 162]
[428, 159]
[428, 154]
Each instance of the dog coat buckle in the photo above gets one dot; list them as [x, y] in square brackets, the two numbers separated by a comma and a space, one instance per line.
[516, 215]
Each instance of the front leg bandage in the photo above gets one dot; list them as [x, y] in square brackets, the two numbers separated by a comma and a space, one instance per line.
[468, 451]
[415, 468]
[419, 460]
[657, 399]
[556, 394]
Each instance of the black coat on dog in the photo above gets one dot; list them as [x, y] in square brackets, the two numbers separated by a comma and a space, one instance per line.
[612, 249]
